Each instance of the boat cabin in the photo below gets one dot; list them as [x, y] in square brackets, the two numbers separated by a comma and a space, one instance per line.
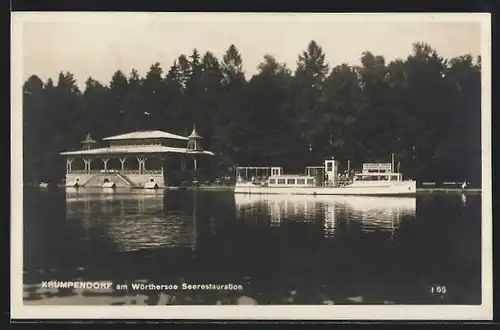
[377, 172]
[372, 177]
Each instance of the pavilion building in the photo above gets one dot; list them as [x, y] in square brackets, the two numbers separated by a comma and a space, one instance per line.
[142, 159]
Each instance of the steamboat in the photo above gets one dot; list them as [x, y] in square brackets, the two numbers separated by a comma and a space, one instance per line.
[375, 179]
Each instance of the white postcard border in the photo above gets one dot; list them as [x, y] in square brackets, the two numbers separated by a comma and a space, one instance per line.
[344, 312]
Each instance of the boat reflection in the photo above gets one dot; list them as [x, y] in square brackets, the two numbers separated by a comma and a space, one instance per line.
[133, 220]
[372, 213]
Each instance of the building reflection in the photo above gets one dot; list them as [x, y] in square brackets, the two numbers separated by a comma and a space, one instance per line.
[372, 213]
[133, 220]
[329, 223]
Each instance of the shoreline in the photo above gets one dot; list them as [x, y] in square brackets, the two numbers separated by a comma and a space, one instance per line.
[449, 190]
[231, 188]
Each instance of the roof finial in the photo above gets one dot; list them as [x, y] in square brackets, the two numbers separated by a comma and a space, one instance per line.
[194, 134]
[88, 139]
[88, 142]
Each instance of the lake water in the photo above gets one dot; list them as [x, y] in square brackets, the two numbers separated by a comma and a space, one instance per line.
[263, 249]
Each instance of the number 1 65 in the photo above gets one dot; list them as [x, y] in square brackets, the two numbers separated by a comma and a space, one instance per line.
[440, 289]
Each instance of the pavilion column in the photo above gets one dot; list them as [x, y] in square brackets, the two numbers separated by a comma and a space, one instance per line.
[105, 161]
[195, 163]
[139, 160]
[69, 161]
[87, 164]
[142, 164]
[162, 160]
[122, 160]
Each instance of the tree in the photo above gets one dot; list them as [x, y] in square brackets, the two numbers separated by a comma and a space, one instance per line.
[231, 130]
[429, 105]
[93, 108]
[131, 111]
[424, 108]
[193, 105]
[34, 122]
[113, 115]
[273, 139]
[174, 96]
[232, 67]
[152, 114]
[211, 94]
[310, 77]
[343, 96]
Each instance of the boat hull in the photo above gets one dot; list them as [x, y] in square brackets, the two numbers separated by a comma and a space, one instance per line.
[405, 188]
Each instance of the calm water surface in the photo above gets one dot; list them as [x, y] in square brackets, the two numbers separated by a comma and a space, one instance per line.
[279, 249]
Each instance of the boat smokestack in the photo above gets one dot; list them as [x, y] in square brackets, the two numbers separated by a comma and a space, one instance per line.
[392, 162]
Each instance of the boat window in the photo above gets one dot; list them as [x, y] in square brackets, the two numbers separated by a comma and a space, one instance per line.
[394, 178]
[329, 166]
[272, 181]
[290, 181]
[281, 181]
[301, 181]
[370, 178]
[310, 181]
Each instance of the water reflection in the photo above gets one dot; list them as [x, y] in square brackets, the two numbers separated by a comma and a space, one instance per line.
[282, 249]
[372, 213]
[133, 221]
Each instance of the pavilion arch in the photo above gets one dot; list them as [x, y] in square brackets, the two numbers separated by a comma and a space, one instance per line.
[131, 164]
[114, 164]
[153, 163]
[78, 164]
[96, 164]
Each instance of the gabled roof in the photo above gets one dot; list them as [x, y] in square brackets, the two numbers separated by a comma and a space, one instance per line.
[146, 135]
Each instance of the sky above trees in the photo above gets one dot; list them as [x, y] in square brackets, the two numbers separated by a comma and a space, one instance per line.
[100, 44]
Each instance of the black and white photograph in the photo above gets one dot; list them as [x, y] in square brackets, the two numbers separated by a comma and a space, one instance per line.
[251, 166]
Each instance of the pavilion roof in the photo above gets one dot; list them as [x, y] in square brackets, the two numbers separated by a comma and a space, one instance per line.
[145, 149]
[139, 135]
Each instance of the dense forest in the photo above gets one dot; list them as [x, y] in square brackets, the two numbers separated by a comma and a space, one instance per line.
[425, 109]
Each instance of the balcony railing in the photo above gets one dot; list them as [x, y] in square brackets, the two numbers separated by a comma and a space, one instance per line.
[130, 171]
[152, 171]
